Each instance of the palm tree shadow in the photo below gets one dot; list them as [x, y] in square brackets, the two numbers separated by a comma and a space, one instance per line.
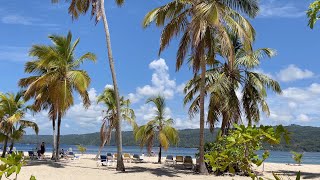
[304, 175]
[161, 172]
[47, 163]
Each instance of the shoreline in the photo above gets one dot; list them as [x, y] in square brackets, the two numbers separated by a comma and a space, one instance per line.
[86, 168]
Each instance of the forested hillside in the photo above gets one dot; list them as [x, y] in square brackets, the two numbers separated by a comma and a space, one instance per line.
[303, 138]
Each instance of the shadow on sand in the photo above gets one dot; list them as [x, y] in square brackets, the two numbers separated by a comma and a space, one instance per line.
[164, 171]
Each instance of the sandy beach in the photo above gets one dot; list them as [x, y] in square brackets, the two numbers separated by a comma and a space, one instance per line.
[86, 168]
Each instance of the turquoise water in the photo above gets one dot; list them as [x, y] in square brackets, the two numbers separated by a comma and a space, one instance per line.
[275, 156]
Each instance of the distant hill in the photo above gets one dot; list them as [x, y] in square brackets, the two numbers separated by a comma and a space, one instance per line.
[303, 138]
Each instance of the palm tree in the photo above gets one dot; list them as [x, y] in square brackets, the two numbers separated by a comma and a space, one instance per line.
[12, 125]
[203, 24]
[222, 85]
[56, 77]
[110, 115]
[78, 7]
[159, 127]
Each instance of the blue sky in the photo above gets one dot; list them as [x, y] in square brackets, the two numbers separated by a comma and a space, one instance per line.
[281, 25]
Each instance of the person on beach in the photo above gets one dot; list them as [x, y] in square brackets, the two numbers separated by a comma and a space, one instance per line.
[42, 149]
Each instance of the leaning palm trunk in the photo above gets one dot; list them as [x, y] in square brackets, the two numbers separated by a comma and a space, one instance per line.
[120, 165]
[58, 137]
[202, 169]
[100, 149]
[5, 147]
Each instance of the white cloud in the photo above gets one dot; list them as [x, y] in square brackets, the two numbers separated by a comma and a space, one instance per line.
[161, 84]
[303, 118]
[17, 19]
[271, 8]
[109, 86]
[292, 73]
[297, 105]
[14, 53]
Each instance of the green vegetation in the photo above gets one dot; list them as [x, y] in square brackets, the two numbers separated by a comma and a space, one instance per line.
[313, 13]
[236, 152]
[12, 165]
[159, 128]
[278, 177]
[222, 84]
[81, 7]
[110, 115]
[12, 125]
[82, 149]
[205, 29]
[297, 157]
[55, 76]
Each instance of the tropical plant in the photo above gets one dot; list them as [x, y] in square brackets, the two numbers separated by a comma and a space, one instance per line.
[297, 157]
[56, 76]
[223, 83]
[158, 127]
[12, 124]
[81, 148]
[202, 24]
[108, 98]
[78, 7]
[237, 151]
[313, 13]
[12, 165]
[277, 177]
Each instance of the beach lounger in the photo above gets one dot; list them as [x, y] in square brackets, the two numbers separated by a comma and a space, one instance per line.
[127, 157]
[179, 159]
[103, 161]
[136, 158]
[72, 156]
[187, 162]
[110, 157]
[169, 159]
[32, 156]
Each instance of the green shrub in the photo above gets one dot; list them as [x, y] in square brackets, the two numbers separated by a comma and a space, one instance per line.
[236, 152]
[12, 165]
[82, 149]
[297, 157]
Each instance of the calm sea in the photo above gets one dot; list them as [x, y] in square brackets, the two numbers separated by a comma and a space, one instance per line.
[275, 156]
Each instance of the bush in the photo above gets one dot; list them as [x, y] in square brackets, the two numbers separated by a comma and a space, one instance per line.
[297, 157]
[82, 149]
[236, 152]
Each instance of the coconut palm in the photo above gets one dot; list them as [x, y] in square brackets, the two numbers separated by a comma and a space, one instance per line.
[56, 76]
[78, 7]
[222, 85]
[109, 122]
[313, 13]
[203, 23]
[12, 125]
[159, 127]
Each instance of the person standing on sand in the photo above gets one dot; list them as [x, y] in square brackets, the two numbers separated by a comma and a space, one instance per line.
[42, 149]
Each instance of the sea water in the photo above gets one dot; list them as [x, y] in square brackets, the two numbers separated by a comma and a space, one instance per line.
[275, 156]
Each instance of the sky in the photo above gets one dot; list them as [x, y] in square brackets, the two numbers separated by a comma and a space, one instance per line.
[141, 73]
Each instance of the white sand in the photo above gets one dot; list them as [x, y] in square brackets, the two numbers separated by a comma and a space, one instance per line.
[86, 169]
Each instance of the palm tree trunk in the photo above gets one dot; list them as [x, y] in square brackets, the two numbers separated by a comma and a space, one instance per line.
[159, 158]
[100, 148]
[202, 169]
[120, 165]
[54, 139]
[5, 147]
[58, 136]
